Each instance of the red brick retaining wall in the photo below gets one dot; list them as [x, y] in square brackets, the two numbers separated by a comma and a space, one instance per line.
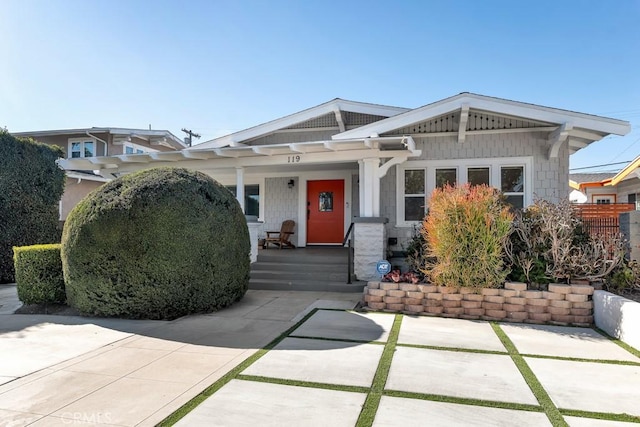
[560, 305]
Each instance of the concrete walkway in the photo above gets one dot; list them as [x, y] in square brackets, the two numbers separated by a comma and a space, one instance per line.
[63, 370]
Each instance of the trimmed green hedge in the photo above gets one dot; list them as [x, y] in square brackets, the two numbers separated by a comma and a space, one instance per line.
[31, 185]
[156, 244]
[39, 274]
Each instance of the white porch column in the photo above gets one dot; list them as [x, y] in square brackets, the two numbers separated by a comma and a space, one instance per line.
[240, 187]
[369, 187]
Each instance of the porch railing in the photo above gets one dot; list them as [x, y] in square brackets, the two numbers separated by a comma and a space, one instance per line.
[347, 241]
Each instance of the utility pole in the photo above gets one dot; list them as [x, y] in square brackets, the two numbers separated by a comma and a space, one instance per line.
[189, 139]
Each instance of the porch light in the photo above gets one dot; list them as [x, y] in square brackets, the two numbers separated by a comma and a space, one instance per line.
[291, 183]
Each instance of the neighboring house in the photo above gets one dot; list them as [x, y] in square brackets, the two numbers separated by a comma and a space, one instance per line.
[609, 188]
[92, 142]
[375, 165]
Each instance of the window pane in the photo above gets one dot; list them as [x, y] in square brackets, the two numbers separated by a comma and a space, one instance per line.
[75, 150]
[478, 176]
[446, 176]
[512, 179]
[413, 208]
[139, 151]
[252, 200]
[88, 149]
[414, 181]
[128, 150]
[516, 201]
[325, 199]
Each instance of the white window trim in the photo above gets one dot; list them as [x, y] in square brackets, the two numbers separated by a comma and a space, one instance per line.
[82, 141]
[494, 165]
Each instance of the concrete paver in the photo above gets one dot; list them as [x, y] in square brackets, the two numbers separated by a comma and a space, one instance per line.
[442, 332]
[265, 404]
[565, 342]
[347, 325]
[395, 411]
[320, 361]
[458, 374]
[596, 387]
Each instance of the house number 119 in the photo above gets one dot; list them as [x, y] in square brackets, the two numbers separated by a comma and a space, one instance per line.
[293, 159]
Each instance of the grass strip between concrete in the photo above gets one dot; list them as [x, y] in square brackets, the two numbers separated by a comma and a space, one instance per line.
[337, 340]
[232, 374]
[600, 415]
[297, 383]
[579, 359]
[464, 400]
[457, 349]
[552, 412]
[370, 407]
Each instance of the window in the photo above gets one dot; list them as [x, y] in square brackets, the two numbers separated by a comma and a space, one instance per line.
[133, 149]
[414, 194]
[478, 176]
[418, 179]
[512, 185]
[251, 198]
[446, 177]
[82, 148]
[633, 198]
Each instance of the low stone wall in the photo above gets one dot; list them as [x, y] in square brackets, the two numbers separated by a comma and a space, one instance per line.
[560, 305]
[618, 317]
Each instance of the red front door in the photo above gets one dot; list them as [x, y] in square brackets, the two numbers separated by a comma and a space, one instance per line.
[325, 211]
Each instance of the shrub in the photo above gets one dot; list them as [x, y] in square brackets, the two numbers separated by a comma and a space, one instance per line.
[417, 250]
[549, 243]
[39, 274]
[157, 244]
[466, 230]
[31, 185]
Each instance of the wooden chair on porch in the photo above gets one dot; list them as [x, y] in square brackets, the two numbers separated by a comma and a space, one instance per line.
[281, 238]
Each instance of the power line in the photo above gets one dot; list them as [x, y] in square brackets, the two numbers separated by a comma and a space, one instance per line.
[597, 166]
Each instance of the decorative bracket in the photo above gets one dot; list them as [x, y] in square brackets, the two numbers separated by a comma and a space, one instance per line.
[556, 138]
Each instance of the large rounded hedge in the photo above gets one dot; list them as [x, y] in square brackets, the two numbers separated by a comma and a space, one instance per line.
[156, 244]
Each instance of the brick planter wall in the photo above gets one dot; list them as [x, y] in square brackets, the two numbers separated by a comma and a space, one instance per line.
[560, 305]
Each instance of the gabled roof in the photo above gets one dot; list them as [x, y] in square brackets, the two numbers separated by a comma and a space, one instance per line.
[607, 181]
[167, 138]
[335, 106]
[579, 128]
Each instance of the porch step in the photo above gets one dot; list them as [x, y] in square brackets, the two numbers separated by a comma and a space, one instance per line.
[306, 285]
[303, 269]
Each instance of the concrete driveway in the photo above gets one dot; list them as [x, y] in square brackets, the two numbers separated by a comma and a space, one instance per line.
[333, 367]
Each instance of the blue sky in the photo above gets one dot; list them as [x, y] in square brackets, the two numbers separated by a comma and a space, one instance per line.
[221, 66]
